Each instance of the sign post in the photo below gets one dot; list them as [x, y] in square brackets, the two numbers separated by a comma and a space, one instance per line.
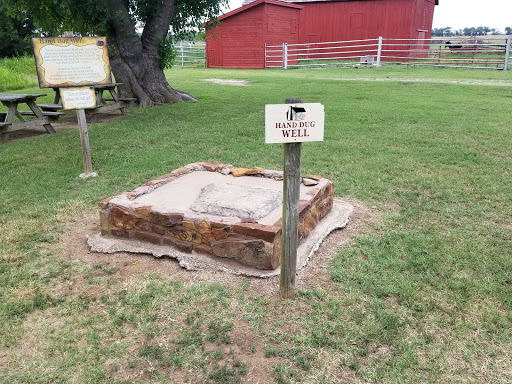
[74, 65]
[292, 124]
[79, 98]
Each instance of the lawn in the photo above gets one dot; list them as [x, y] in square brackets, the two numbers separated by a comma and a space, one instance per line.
[421, 292]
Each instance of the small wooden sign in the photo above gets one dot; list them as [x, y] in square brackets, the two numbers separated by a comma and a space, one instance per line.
[294, 123]
[71, 61]
[78, 98]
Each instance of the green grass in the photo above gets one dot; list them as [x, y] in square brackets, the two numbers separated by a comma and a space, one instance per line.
[423, 295]
[17, 73]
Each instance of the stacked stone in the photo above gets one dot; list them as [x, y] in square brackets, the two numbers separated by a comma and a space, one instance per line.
[246, 241]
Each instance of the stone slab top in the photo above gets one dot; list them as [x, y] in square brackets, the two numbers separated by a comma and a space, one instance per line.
[218, 192]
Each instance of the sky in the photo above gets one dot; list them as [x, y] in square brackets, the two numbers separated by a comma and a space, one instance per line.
[461, 13]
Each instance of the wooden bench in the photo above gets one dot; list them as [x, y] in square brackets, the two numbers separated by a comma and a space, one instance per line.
[50, 114]
[50, 107]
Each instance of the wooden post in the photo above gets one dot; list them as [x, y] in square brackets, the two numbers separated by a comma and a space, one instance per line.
[290, 222]
[84, 139]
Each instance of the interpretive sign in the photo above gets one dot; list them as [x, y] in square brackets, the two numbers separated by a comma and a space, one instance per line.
[71, 61]
[294, 123]
[78, 98]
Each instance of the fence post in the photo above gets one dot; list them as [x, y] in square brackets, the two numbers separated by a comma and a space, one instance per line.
[181, 51]
[266, 56]
[507, 52]
[285, 55]
[379, 52]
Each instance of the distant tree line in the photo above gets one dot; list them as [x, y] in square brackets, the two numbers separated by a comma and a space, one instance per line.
[469, 31]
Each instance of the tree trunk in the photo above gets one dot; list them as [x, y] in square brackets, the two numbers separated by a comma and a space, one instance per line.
[134, 61]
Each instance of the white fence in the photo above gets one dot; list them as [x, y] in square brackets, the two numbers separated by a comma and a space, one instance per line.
[468, 52]
[189, 54]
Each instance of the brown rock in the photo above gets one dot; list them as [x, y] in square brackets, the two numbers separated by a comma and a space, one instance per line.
[180, 171]
[314, 177]
[184, 234]
[301, 230]
[104, 203]
[118, 232]
[158, 229]
[254, 171]
[104, 221]
[310, 222]
[181, 245]
[328, 190]
[163, 177]
[325, 207]
[236, 172]
[304, 207]
[275, 259]
[259, 231]
[220, 233]
[144, 211]
[255, 253]
[309, 182]
[211, 167]
[175, 173]
[205, 230]
[148, 237]
[124, 219]
[316, 193]
[166, 219]
[188, 224]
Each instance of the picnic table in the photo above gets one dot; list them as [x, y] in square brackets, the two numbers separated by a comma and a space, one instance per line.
[27, 119]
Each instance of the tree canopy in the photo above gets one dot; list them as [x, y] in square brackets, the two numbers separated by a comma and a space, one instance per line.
[15, 31]
[136, 32]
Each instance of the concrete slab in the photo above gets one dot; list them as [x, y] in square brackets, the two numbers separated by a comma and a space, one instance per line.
[337, 218]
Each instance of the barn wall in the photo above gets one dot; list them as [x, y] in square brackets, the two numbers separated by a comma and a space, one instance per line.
[422, 19]
[354, 20]
[241, 38]
[239, 42]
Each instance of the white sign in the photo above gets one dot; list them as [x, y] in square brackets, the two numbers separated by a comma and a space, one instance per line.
[78, 98]
[294, 123]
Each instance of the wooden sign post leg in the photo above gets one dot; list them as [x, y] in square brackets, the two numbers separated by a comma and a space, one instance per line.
[290, 223]
[84, 139]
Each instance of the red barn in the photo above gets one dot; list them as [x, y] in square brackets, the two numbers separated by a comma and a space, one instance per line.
[239, 41]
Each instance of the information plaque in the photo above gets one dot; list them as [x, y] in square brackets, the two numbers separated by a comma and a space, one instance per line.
[71, 61]
[78, 97]
[294, 123]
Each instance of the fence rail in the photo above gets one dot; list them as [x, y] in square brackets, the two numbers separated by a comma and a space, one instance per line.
[188, 54]
[468, 52]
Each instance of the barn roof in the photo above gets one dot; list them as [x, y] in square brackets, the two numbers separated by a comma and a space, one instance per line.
[251, 3]
[246, 2]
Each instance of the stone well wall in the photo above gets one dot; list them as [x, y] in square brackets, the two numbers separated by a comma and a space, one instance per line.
[240, 238]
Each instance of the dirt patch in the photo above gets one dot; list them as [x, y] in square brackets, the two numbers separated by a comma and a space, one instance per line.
[74, 247]
[239, 83]
[128, 271]
[65, 123]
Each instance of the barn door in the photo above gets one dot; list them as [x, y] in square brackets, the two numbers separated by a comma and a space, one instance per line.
[214, 54]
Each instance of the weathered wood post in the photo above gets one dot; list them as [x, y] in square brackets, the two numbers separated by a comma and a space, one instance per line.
[84, 140]
[290, 226]
[292, 125]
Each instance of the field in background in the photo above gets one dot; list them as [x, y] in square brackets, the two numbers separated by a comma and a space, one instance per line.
[422, 294]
